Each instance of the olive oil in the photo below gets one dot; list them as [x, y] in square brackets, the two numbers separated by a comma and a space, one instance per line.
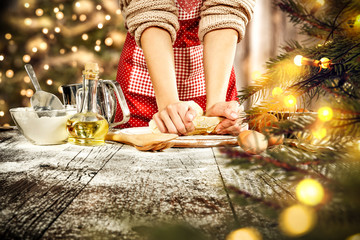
[87, 133]
[87, 127]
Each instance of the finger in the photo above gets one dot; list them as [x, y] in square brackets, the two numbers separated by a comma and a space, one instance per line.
[159, 123]
[224, 124]
[189, 116]
[174, 113]
[232, 110]
[170, 127]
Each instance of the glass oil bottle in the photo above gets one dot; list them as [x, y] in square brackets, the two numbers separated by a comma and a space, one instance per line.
[87, 127]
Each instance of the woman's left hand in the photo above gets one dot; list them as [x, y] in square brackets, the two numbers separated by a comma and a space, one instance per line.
[232, 124]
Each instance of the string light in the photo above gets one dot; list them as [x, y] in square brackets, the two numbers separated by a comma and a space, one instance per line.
[49, 82]
[26, 79]
[290, 101]
[23, 92]
[8, 36]
[2, 113]
[56, 10]
[98, 42]
[2, 57]
[244, 234]
[62, 51]
[357, 21]
[45, 31]
[74, 17]
[57, 30]
[97, 48]
[109, 41]
[26, 58]
[255, 75]
[277, 91]
[319, 133]
[9, 73]
[26, 5]
[118, 11]
[27, 21]
[323, 63]
[100, 25]
[39, 12]
[46, 67]
[325, 114]
[77, 4]
[60, 15]
[85, 37]
[98, 7]
[310, 192]
[43, 46]
[29, 93]
[74, 49]
[34, 49]
[297, 220]
[107, 17]
[82, 17]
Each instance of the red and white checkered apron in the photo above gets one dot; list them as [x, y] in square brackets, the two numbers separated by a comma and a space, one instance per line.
[134, 78]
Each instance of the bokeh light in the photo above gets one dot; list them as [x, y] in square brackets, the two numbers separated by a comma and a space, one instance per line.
[297, 60]
[319, 133]
[290, 101]
[244, 234]
[277, 91]
[325, 114]
[310, 192]
[297, 220]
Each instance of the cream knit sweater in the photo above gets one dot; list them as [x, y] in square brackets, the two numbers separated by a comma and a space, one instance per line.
[215, 14]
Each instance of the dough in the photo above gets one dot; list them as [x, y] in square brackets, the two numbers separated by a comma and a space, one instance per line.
[203, 125]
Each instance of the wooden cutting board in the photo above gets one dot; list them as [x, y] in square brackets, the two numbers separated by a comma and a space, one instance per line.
[195, 141]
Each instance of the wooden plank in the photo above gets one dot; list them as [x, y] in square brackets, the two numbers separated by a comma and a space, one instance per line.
[259, 184]
[37, 183]
[137, 189]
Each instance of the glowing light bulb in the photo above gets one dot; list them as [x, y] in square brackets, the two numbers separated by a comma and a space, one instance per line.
[97, 48]
[74, 49]
[26, 80]
[244, 234]
[77, 4]
[49, 82]
[29, 93]
[82, 17]
[26, 58]
[39, 12]
[319, 133]
[8, 36]
[59, 15]
[56, 10]
[98, 7]
[290, 101]
[310, 192]
[9, 73]
[2, 113]
[357, 21]
[118, 11]
[277, 91]
[43, 46]
[2, 57]
[85, 37]
[325, 62]
[320, 2]
[45, 31]
[26, 5]
[297, 220]
[325, 114]
[107, 17]
[23, 92]
[100, 25]
[46, 67]
[297, 60]
[27, 21]
[109, 41]
[34, 49]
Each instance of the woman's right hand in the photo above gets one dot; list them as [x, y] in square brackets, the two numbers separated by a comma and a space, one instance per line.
[175, 118]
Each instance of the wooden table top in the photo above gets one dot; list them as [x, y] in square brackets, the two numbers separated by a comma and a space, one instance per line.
[113, 191]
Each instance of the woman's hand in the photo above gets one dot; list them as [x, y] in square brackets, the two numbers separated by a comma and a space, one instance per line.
[232, 112]
[175, 118]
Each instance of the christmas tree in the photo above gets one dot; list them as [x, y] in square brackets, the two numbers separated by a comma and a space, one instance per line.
[57, 38]
[307, 107]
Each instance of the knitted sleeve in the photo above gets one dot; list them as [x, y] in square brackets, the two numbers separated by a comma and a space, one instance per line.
[141, 14]
[219, 14]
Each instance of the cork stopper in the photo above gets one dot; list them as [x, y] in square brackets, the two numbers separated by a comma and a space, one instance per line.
[91, 68]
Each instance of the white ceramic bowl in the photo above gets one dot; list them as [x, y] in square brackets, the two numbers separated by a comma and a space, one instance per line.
[42, 127]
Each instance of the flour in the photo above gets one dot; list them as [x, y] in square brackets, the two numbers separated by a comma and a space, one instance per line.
[42, 130]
